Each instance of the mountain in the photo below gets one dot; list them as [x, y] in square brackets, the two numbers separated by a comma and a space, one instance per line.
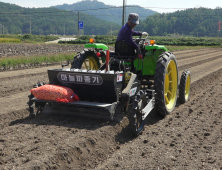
[193, 22]
[110, 13]
[44, 21]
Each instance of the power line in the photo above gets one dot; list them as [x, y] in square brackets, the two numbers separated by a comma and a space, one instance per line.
[157, 15]
[67, 11]
[129, 6]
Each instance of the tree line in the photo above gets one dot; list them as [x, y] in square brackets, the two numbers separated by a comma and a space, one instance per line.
[106, 12]
[197, 22]
[45, 21]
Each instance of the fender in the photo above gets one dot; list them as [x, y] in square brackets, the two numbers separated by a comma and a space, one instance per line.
[97, 46]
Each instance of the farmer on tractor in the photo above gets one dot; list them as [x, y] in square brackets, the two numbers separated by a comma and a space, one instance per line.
[126, 33]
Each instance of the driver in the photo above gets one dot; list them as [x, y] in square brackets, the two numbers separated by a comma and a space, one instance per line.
[126, 33]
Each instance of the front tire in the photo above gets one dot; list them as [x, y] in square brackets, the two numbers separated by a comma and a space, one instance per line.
[136, 117]
[166, 83]
[184, 89]
[86, 60]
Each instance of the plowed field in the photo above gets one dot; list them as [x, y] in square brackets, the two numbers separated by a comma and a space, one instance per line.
[189, 138]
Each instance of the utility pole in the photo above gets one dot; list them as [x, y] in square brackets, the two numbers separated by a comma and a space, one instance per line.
[30, 32]
[78, 23]
[123, 12]
[64, 29]
[3, 28]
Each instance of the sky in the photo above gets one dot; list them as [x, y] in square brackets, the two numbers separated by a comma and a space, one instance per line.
[161, 6]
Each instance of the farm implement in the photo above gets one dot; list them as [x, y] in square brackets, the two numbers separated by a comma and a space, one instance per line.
[114, 84]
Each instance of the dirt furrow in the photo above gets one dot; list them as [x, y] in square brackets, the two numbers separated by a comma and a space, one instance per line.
[76, 153]
[189, 138]
[197, 54]
[26, 72]
[198, 58]
[200, 71]
[9, 87]
[196, 62]
[190, 51]
[186, 139]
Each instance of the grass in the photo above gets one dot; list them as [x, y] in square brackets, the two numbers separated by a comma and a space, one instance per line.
[52, 58]
[9, 40]
[29, 38]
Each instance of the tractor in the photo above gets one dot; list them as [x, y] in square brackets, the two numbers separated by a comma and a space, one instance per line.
[114, 84]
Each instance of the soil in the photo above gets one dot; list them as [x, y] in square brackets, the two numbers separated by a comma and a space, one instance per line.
[189, 138]
[8, 50]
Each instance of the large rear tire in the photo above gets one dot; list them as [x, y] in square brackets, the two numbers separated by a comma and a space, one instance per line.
[166, 83]
[86, 60]
[184, 89]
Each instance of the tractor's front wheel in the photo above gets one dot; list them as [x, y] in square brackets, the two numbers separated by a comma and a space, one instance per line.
[86, 60]
[184, 89]
[136, 115]
[166, 83]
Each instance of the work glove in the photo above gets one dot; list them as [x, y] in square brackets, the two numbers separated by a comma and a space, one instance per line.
[145, 34]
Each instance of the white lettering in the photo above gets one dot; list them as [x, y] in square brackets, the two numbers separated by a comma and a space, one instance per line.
[87, 79]
[71, 78]
[64, 77]
[79, 78]
[95, 80]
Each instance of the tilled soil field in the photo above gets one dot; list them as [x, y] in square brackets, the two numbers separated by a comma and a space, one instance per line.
[189, 138]
[7, 50]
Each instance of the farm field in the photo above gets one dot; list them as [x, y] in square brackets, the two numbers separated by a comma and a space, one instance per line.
[189, 138]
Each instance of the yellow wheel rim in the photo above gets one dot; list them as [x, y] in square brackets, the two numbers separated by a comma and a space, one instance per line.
[187, 88]
[90, 64]
[170, 86]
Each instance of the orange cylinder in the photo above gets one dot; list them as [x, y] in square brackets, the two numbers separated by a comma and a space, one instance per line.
[107, 59]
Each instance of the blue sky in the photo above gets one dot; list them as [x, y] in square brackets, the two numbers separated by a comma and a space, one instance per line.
[157, 5]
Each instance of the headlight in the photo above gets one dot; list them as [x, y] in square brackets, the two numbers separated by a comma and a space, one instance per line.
[91, 40]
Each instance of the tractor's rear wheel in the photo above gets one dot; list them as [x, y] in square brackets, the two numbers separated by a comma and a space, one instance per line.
[184, 89]
[166, 83]
[86, 60]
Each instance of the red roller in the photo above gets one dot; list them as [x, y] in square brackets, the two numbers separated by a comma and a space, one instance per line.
[107, 59]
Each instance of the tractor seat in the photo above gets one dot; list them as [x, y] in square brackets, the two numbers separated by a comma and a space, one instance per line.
[123, 50]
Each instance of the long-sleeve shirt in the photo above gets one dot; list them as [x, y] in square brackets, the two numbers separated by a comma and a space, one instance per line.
[126, 34]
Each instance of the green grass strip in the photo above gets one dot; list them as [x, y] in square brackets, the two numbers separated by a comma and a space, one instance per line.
[9, 40]
[16, 61]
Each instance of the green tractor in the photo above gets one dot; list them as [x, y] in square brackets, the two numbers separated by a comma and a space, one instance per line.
[158, 69]
[114, 84]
